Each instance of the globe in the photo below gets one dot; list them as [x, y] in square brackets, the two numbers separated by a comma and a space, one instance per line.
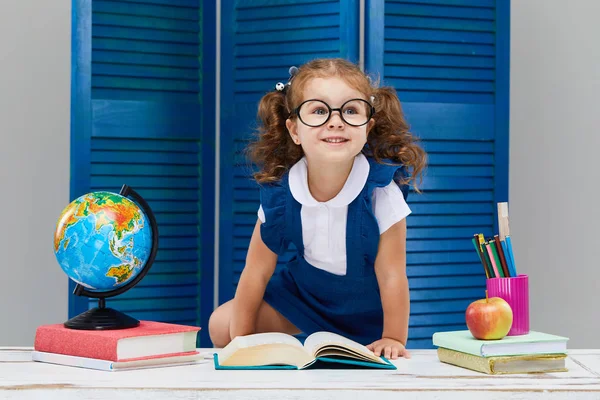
[102, 240]
[106, 243]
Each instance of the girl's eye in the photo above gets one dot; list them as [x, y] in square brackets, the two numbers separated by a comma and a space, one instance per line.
[350, 111]
[320, 111]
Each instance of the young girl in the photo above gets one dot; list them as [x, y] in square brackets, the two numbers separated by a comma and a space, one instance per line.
[335, 159]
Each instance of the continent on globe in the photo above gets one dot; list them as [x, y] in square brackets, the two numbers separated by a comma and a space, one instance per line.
[122, 273]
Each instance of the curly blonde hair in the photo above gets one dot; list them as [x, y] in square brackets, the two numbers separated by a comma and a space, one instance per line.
[274, 151]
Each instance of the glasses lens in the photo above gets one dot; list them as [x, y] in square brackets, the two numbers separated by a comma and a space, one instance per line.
[356, 112]
[314, 113]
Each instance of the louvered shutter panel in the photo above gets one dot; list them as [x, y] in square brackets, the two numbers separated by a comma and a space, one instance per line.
[261, 39]
[448, 61]
[137, 121]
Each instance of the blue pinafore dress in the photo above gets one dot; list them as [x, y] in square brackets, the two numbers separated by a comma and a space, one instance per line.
[314, 299]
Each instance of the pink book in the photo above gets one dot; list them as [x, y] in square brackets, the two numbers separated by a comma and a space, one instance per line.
[148, 340]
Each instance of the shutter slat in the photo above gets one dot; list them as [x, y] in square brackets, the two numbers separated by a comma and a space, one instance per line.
[291, 38]
[146, 10]
[436, 35]
[107, 31]
[458, 3]
[289, 10]
[408, 8]
[137, 21]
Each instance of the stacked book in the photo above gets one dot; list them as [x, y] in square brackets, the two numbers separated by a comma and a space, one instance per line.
[535, 352]
[151, 344]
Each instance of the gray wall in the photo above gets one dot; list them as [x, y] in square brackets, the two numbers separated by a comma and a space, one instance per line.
[555, 135]
[34, 163]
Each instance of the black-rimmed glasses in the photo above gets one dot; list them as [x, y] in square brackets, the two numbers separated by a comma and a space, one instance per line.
[315, 113]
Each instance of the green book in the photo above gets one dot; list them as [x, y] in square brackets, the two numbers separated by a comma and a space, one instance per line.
[532, 343]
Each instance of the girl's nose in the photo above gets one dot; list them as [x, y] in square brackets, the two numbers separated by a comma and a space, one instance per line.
[335, 121]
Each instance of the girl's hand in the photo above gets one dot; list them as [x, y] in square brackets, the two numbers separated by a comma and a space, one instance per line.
[389, 348]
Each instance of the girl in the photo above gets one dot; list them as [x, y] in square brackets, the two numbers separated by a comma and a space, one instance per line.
[334, 155]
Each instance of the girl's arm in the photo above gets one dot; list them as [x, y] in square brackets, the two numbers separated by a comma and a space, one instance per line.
[390, 268]
[260, 265]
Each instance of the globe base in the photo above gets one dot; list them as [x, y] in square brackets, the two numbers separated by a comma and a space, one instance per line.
[101, 318]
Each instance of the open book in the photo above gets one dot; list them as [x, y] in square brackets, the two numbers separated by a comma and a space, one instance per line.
[282, 351]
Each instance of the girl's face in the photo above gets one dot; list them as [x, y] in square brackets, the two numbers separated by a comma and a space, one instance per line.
[336, 140]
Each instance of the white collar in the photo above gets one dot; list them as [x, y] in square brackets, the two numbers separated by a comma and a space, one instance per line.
[298, 180]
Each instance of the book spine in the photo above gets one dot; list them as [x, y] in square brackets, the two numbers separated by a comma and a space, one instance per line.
[75, 343]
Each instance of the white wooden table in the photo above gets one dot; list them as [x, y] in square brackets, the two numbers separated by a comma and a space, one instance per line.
[422, 377]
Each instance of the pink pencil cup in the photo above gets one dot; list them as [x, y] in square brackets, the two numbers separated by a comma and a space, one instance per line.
[516, 293]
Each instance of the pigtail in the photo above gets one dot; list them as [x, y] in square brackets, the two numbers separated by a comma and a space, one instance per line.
[274, 150]
[390, 137]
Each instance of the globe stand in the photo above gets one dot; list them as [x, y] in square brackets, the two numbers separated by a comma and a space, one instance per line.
[101, 317]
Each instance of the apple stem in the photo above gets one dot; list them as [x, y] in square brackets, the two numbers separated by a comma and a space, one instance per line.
[486, 297]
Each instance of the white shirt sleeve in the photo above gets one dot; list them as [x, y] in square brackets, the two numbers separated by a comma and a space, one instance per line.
[389, 206]
[261, 214]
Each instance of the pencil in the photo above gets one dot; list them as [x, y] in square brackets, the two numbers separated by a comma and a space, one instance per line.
[497, 270]
[488, 262]
[509, 264]
[501, 256]
[478, 250]
[510, 252]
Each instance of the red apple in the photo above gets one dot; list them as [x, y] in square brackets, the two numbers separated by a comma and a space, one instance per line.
[489, 319]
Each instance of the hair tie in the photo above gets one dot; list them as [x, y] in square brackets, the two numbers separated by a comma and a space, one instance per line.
[280, 86]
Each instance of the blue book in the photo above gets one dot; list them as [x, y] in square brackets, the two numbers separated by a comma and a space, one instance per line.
[323, 350]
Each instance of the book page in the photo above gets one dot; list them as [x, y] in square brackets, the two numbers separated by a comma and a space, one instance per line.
[328, 343]
[257, 340]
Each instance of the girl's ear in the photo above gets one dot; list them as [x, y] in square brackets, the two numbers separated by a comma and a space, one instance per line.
[291, 127]
[370, 125]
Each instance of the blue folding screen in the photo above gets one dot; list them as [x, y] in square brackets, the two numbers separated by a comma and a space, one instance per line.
[448, 60]
[137, 120]
[261, 39]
